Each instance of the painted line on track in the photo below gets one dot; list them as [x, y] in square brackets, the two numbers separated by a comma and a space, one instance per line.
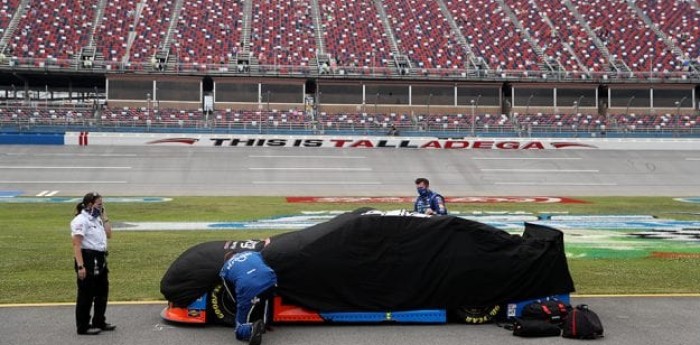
[312, 157]
[313, 169]
[34, 167]
[574, 184]
[311, 183]
[61, 182]
[71, 154]
[526, 158]
[543, 170]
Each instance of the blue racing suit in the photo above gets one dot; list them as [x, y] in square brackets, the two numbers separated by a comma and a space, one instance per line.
[430, 200]
[251, 277]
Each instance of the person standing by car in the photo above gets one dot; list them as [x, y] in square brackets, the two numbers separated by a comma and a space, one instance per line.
[428, 202]
[90, 229]
[253, 282]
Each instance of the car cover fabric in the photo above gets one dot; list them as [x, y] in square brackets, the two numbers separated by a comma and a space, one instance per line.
[369, 260]
[196, 271]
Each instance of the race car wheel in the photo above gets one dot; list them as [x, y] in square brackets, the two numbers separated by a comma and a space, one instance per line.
[221, 308]
[476, 315]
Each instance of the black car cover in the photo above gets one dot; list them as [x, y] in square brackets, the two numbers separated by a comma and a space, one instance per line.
[374, 261]
[196, 271]
[368, 260]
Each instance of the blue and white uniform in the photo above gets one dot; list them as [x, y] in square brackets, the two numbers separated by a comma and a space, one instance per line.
[251, 277]
[427, 199]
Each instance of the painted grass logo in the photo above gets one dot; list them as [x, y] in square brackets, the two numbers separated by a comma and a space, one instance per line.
[695, 200]
[594, 236]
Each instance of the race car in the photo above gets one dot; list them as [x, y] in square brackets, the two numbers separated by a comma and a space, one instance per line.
[376, 266]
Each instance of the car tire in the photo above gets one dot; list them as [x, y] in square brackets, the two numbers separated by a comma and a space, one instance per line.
[221, 308]
[476, 315]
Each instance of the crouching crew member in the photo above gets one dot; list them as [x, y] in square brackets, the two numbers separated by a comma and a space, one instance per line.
[90, 230]
[253, 282]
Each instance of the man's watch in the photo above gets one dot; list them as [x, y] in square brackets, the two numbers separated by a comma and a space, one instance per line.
[80, 267]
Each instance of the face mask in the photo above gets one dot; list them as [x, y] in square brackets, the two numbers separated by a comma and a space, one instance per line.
[422, 191]
[95, 212]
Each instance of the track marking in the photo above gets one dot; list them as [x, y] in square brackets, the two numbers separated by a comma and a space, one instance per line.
[57, 167]
[527, 158]
[313, 157]
[314, 169]
[359, 183]
[61, 182]
[553, 184]
[72, 154]
[543, 170]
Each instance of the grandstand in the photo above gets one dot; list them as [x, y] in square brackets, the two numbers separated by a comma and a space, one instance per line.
[481, 67]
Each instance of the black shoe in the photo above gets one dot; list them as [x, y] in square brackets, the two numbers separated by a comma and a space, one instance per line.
[89, 331]
[256, 333]
[107, 327]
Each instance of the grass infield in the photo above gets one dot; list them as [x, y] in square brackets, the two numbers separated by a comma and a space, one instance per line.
[36, 263]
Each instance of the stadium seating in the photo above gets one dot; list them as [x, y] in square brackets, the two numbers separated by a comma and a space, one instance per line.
[7, 10]
[382, 122]
[112, 35]
[53, 29]
[681, 23]
[354, 34]
[208, 31]
[150, 28]
[536, 19]
[423, 34]
[492, 36]
[283, 33]
[625, 34]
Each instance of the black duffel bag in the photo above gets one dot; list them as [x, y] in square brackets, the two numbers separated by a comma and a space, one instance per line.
[531, 328]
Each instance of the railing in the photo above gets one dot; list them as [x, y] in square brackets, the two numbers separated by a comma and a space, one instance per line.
[50, 64]
[32, 124]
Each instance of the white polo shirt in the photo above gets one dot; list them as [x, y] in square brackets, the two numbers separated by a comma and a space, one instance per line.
[92, 230]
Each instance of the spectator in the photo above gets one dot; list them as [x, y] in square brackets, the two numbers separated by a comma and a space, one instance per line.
[393, 131]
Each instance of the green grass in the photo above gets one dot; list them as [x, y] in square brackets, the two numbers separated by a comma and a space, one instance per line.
[36, 256]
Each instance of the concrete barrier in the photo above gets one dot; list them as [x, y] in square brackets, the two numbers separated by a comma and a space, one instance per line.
[373, 142]
[31, 138]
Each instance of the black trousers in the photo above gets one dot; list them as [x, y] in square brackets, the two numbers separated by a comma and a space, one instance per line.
[93, 290]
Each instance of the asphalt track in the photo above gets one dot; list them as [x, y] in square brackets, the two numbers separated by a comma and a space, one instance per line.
[234, 171]
[627, 321]
[171, 171]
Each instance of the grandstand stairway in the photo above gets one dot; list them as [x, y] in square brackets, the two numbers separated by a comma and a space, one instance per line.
[10, 30]
[322, 62]
[562, 41]
[132, 34]
[672, 47]
[543, 64]
[475, 63]
[394, 68]
[163, 57]
[247, 25]
[616, 65]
